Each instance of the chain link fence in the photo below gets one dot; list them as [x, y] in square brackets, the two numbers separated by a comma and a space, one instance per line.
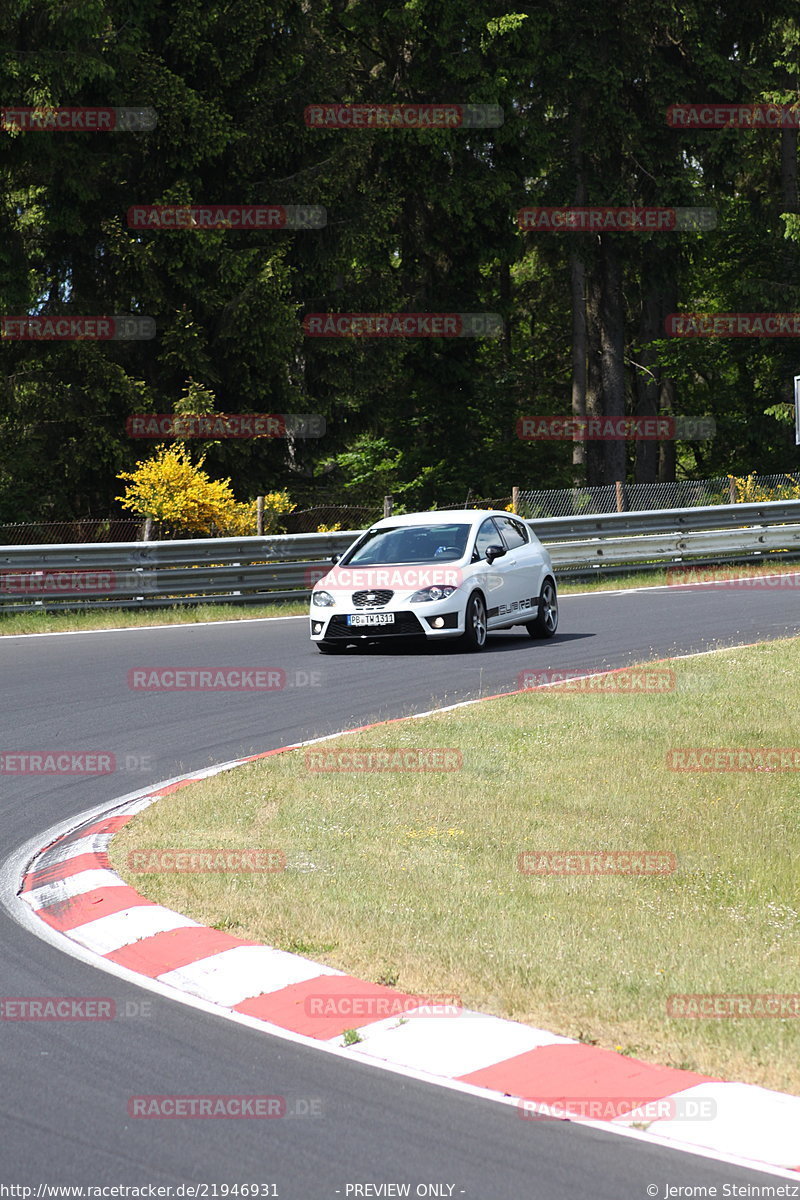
[640, 497]
[531, 503]
[474, 501]
[131, 529]
[332, 517]
[61, 533]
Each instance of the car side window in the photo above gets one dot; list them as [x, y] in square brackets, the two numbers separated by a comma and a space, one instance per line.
[524, 532]
[487, 536]
[514, 534]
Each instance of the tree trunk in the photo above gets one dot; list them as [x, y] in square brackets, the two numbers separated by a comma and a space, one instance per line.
[577, 284]
[577, 277]
[789, 203]
[789, 170]
[594, 380]
[647, 371]
[788, 155]
[612, 351]
[506, 307]
[666, 449]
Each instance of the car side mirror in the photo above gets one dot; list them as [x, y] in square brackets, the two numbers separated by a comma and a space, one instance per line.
[493, 552]
[335, 558]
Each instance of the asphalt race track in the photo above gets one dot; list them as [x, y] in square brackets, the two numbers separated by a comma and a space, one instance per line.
[65, 1085]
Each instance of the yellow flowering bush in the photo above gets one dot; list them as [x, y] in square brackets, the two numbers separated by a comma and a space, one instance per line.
[275, 504]
[240, 521]
[243, 518]
[750, 492]
[178, 493]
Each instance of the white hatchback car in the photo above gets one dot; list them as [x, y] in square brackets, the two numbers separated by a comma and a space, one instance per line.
[446, 574]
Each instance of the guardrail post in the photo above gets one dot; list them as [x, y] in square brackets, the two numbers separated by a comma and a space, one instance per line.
[515, 500]
[732, 488]
[388, 505]
[620, 486]
[260, 516]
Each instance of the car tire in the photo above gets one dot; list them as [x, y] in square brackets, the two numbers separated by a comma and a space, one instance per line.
[546, 622]
[330, 647]
[475, 623]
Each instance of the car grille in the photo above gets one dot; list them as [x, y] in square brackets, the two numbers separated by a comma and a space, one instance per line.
[404, 623]
[375, 598]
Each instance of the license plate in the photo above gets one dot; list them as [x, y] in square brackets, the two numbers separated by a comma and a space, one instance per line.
[371, 619]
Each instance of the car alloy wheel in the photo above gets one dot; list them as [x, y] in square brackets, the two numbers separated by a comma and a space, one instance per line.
[475, 622]
[546, 622]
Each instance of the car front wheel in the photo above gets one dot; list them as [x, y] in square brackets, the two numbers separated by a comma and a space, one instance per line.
[474, 636]
[546, 622]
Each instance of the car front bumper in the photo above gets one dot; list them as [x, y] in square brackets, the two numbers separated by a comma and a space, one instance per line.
[437, 621]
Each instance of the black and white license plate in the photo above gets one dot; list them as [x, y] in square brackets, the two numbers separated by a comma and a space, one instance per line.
[371, 619]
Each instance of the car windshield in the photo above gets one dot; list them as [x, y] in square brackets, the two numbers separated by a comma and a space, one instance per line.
[411, 544]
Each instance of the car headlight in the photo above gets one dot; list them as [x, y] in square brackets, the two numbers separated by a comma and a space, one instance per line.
[431, 593]
[323, 599]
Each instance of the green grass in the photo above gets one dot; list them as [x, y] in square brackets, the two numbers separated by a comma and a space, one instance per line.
[413, 877]
[120, 618]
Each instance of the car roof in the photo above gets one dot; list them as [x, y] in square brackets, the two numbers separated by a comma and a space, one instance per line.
[441, 516]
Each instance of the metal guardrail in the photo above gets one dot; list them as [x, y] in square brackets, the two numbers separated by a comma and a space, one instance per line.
[248, 570]
[658, 549]
[289, 547]
[255, 570]
[665, 520]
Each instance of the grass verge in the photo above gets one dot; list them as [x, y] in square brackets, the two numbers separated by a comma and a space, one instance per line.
[411, 879]
[122, 618]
